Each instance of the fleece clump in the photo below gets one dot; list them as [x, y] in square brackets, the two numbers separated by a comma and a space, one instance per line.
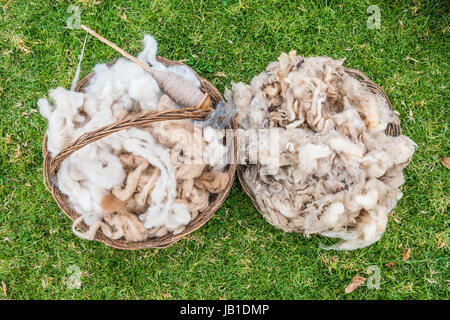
[132, 184]
[337, 172]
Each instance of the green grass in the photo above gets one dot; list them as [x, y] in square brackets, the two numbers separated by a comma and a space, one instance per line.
[236, 255]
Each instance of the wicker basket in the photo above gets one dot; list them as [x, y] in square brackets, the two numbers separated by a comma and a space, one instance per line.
[51, 165]
[392, 128]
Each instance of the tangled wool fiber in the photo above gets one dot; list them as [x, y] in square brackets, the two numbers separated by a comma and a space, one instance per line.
[136, 183]
[337, 173]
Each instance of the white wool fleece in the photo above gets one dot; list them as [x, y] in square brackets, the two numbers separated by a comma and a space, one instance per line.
[92, 172]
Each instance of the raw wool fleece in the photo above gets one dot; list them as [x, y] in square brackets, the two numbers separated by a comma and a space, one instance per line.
[339, 174]
[126, 184]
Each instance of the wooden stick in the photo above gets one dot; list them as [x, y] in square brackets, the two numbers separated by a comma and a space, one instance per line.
[176, 87]
[117, 48]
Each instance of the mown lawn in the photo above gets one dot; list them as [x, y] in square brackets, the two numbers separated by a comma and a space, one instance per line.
[237, 255]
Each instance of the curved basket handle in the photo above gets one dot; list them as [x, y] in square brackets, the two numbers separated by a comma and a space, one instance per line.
[141, 120]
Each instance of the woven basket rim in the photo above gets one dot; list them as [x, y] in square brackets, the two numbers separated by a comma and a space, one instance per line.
[393, 129]
[216, 200]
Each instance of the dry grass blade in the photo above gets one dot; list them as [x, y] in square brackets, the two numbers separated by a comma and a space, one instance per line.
[406, 254]
[446, 162]
[389, 264]
[355, 283]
